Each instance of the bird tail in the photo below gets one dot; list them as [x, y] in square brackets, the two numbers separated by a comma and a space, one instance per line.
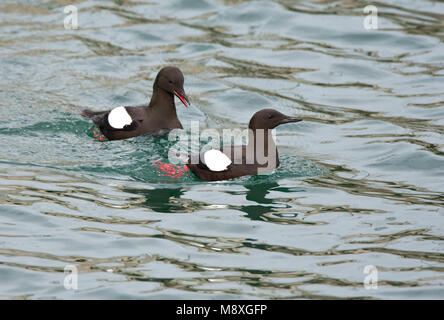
[87, 113]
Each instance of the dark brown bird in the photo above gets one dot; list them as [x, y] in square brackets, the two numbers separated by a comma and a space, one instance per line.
[259, 155]
[157, 118]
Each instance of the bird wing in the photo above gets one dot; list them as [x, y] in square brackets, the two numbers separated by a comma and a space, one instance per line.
[102, 118]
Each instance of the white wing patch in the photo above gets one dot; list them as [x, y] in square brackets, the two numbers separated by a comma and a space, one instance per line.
[216, 160]
[119, 117]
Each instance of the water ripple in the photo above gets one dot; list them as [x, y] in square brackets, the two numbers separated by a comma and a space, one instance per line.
[360, 181]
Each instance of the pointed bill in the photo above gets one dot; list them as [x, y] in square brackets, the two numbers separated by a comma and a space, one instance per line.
[183, 97]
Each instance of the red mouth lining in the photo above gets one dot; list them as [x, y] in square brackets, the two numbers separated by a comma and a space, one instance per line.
[181, 98]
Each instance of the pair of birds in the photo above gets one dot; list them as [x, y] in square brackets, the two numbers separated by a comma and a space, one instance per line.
[159, 117]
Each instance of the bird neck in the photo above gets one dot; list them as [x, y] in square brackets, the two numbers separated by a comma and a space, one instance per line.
[163, 101]
[261, 142]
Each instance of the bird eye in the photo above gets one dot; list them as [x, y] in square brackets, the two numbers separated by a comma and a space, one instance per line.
[270, 116]
[171, 81]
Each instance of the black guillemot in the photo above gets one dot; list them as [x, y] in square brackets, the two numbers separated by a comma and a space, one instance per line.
[157, 118]
[259, 155]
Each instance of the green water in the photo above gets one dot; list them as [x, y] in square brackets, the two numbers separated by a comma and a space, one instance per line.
[360, 181]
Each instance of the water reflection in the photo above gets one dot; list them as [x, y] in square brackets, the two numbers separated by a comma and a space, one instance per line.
[257, 193]
[161, 199]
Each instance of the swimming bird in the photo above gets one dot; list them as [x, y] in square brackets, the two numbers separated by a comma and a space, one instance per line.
[157, 118]
[259, 155]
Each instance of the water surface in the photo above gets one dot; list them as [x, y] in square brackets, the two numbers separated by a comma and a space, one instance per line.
[361, 180]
